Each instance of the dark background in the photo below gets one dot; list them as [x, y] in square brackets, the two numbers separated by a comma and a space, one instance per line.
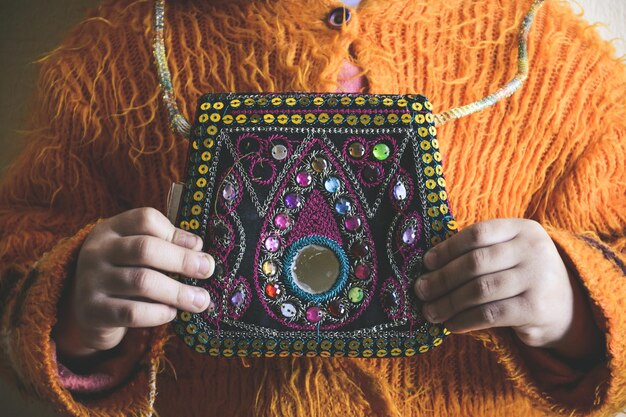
[28, 29]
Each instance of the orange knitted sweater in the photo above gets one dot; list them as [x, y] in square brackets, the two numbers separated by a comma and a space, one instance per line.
[100, 144]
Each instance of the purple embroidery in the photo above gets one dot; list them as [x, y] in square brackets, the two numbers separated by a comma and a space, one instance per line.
[262, 170]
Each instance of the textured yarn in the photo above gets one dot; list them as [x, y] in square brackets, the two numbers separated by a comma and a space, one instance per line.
[99, 144]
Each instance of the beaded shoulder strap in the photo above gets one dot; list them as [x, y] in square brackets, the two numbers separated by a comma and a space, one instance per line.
[182, 126]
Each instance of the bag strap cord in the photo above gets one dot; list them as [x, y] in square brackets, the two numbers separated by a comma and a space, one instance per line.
[181, 125]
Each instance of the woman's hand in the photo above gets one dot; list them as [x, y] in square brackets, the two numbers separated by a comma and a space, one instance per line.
[119, 284]
[508, 273]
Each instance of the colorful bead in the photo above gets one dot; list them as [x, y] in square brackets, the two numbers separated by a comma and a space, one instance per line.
[356, 150]
[409, 235]
[279, 152]
[273, 291]
[319, 164]
[343, 206]
[352, 223]
[359, 249]
[269, 268]
[272, 244]
[238, 299]
[282, 221]
[381, 151]
[293, 201]
[362, 271]
[314, 314]
[399, 191]
[371, 173]
[332, 184]
[356, 295]
[229, 192]
[304, 179]
[390, 299]
[212, 307]
[337, 309]
[288, 310]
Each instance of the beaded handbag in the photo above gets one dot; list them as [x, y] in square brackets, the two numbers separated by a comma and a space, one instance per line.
[318, 209]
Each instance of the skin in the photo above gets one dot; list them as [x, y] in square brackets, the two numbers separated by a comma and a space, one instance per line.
[509, 273]
[120, 281]
[498, 273]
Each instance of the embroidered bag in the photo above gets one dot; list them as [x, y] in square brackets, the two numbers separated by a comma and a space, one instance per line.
[318, 209]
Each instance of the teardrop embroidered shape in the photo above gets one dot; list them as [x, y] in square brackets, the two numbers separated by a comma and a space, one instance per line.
[321, 258]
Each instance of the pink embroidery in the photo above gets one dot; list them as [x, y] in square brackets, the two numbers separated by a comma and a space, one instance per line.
[315, 218]
[262, 164]
[259, 282]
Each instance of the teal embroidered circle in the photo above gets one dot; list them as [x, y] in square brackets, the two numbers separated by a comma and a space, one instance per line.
[321, 245]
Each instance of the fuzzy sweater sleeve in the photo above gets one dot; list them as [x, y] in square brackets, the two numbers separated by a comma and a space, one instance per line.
[52, 197]
[582, 205]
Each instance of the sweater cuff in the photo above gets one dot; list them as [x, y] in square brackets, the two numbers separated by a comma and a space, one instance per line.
[104, 371]
[559, 385]
[33, 352]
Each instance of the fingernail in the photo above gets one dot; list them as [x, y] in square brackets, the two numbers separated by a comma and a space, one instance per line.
[200, 298]
[195, 241]
[422, 289]
[188, 240]
[430, 259]
[207, 265]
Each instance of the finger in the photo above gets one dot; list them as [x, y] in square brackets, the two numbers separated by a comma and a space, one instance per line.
[157, 287]
[478, 235]
[482, 290]
[461, 270]
[152, 252]
[115, 312]
[511, 312]
[151, 222]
